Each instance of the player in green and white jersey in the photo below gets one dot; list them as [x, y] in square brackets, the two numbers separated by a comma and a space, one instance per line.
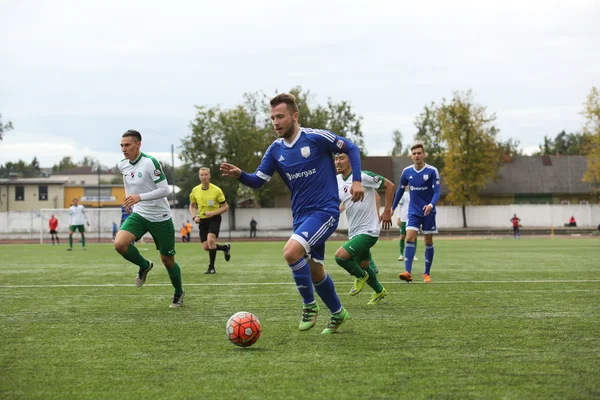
[146, 192]
[363, 226]
[78, 221]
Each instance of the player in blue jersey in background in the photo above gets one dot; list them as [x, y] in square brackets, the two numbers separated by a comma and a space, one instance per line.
[124, 214]
[423, 181]
[303, 157]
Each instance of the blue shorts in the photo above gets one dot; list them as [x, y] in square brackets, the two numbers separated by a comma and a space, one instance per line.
[312, 230]
[426, 224]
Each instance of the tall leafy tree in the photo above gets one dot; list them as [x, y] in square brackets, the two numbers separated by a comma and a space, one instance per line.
[64, 164]
[88, 161]
[509, 148]
[4, 127]
[243, 133]
[222, 135]
[591, 113]
[429, 133]
[24, 169]
[398, 145]
[472, 155]
[565, 144]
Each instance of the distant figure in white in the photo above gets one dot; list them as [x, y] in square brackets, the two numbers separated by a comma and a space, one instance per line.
[78, 221]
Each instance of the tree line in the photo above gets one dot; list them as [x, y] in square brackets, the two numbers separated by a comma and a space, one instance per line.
[460, 137]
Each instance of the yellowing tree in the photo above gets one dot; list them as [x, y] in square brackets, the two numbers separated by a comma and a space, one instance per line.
[472, 154]
[591, 113]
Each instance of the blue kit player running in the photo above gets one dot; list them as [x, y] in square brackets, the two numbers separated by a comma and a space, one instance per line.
[423, 182]
[303, 157]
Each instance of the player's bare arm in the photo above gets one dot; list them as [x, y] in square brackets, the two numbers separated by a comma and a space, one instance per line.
[131, 200]
[223, 207]
[193, 209]
[386, 217]
[230, 171]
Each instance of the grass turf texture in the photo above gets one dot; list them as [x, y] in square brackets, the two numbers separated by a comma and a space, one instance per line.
[502, 319]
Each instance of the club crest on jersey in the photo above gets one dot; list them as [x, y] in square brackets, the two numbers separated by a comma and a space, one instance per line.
[425, 177]
[157, 172]
[340, 144]
[305, 151]
[139, 174]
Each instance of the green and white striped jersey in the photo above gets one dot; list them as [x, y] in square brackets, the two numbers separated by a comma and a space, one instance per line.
[362, 215]
[141, 176]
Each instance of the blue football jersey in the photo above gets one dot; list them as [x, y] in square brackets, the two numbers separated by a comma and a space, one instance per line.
[307, 168]
[124, 213]
[424, 187]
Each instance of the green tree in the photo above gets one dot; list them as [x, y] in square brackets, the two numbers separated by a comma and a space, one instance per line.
[218, 136]
[337, 117]
[88, 161]
[398, 145]
[4, 127]
[22, 168]
[243, 133]
[429, 133]
[472, 155]
[64, 164]
[509, 149]
[591, 113]
[186, 177]
[565, 144]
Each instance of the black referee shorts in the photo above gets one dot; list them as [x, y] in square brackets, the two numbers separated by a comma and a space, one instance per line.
[209, 225]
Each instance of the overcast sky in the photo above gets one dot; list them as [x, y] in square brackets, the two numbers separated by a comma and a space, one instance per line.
[74, 75]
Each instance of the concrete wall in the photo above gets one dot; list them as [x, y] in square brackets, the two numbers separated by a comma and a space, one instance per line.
[274, 219]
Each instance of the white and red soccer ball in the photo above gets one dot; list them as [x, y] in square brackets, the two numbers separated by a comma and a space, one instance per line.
[243, 329]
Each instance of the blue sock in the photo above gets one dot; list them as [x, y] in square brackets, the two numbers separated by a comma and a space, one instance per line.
[301, 274]
[326, 291]
[428, 258]
[409, 254]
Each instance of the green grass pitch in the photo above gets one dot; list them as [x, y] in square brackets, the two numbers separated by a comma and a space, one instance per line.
[502, 319]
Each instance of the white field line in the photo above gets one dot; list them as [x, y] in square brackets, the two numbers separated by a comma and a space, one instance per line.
[284, 283]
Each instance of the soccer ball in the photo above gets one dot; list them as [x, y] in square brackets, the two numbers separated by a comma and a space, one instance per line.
[243, 329]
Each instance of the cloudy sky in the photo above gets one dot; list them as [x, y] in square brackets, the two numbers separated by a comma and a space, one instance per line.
[74, 75]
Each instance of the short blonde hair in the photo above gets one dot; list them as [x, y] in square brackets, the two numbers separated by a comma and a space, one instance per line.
[204, 169]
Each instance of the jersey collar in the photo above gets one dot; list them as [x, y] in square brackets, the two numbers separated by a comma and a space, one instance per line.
[420, 170]
[290, 145]
[137, 159]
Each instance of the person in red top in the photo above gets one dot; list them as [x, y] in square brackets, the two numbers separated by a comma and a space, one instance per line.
[515, 223]
[53, 224]
[572, 221]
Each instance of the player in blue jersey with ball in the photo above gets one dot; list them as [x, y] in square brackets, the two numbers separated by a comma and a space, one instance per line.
[303, 157]
[423, 181]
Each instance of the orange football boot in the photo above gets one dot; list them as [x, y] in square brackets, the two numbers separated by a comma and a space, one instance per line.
[405, 276]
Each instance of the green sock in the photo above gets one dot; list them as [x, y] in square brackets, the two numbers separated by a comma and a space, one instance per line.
[133, 255]
[351, 266]
[402, 241]
[373, 281]
[71, 241]
[82, 240]
[373, 265]
[175, 276]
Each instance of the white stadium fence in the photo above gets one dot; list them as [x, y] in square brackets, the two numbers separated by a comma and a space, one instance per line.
[272, 221]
